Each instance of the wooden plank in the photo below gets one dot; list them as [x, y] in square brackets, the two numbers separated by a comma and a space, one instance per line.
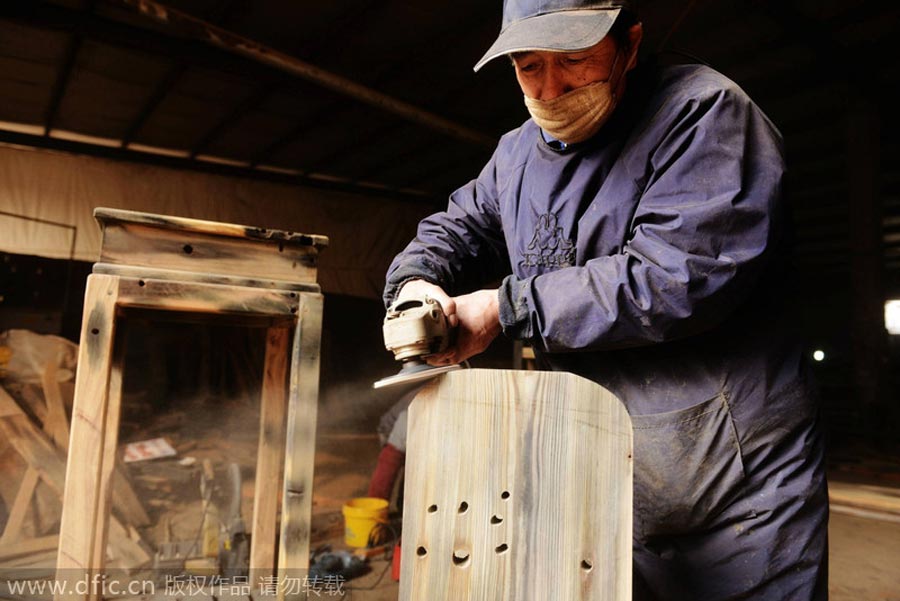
[864, 513]
[124, 552]
[32, 401]
[110, 217]
[8, 405]
[36, 449]
[110, 443]
[29, 567]
[28, 547]
[865, 497]
[56, 423]
[125, 500]
[39, 452]
[79, 514]
[208, 299]
[270, 454]
[296, 506]
[146, 246]
[518, 486]
[16, 517]
[130, 271]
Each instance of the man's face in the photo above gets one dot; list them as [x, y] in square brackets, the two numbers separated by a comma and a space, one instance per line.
[545, 75]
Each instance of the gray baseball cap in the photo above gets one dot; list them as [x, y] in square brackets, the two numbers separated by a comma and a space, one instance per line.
[556, 25]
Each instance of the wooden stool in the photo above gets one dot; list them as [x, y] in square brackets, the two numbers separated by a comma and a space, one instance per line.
[254, 277]
[518, 488]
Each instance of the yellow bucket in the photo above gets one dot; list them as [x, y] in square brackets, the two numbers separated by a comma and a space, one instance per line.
[360, 517]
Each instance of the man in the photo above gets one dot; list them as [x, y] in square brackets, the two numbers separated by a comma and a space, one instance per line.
[637, 223]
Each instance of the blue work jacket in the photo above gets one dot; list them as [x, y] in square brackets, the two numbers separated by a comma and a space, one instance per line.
[652, 260]
[649, 258]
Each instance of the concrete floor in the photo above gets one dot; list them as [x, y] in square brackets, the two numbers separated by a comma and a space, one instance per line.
[865, 559]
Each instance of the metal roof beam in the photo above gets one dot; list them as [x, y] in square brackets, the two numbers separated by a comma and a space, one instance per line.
[58, 91]
[162, 89]
[240, 46]
[221, 10]
[248, 104]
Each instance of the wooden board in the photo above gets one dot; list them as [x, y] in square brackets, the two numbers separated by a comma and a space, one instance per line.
[80, 520]
[303, 395]
[518, 488]
[864, 497]
[207, 299]
[270, 454]
[190, 245]
[16, 518]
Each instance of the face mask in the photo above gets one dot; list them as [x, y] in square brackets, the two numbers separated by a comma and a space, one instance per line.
[577, 115]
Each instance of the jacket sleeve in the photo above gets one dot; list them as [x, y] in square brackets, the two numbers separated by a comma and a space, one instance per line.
[460, 248]
[703, 231]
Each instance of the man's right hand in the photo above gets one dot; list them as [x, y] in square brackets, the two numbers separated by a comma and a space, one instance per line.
[475, 317]
[421, 288]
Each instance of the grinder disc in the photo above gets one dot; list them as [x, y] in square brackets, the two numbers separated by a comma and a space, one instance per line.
[415, 373]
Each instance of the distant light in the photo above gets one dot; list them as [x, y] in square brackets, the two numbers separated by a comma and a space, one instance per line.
[892, 317]
[819, 355]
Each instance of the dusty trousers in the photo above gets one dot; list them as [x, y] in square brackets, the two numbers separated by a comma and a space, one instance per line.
[726, 512]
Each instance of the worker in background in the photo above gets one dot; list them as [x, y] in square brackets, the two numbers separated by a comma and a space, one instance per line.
[637, 223]
[392, 435]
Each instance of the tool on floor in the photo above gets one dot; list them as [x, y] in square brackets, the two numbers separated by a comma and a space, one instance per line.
[221, 545]
[413, 329]
[326, 563]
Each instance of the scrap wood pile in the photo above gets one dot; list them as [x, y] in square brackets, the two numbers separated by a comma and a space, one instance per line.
[36, 390]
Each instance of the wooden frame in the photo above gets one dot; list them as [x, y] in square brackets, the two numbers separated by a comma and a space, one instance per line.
[154, 247]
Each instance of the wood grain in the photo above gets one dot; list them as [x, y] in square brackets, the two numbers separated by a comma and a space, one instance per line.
[56, 424]
[185, 250]
[16, 517]
[866, 497]
[270, 454]
[108, 216]
[518, 487]
[79, 513]
[28, 547]
[190, 268]
[108, 452]
[259, 281]
[303, 394]
[209, 299]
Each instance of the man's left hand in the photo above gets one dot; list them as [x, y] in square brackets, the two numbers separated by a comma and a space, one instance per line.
[479, 324]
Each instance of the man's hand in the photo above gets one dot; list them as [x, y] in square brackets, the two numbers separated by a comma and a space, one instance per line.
[475, 316]
[421, 288]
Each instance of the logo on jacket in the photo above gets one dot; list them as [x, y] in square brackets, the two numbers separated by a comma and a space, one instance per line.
[549, 247]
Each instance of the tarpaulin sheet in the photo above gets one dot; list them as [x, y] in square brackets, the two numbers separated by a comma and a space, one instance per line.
[365, 233]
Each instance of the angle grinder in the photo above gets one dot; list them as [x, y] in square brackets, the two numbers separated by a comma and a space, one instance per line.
[413, 329]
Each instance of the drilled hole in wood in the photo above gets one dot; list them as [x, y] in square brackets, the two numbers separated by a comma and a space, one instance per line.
[421, 551]
[432, 508]
[188, 249]
[95, 331]
[502, 548]
[142, 283]
[460, 558]
[504, 495]
[463, 507]
[293, 309]
[586, 565]
[496, 519]
[293, 295]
